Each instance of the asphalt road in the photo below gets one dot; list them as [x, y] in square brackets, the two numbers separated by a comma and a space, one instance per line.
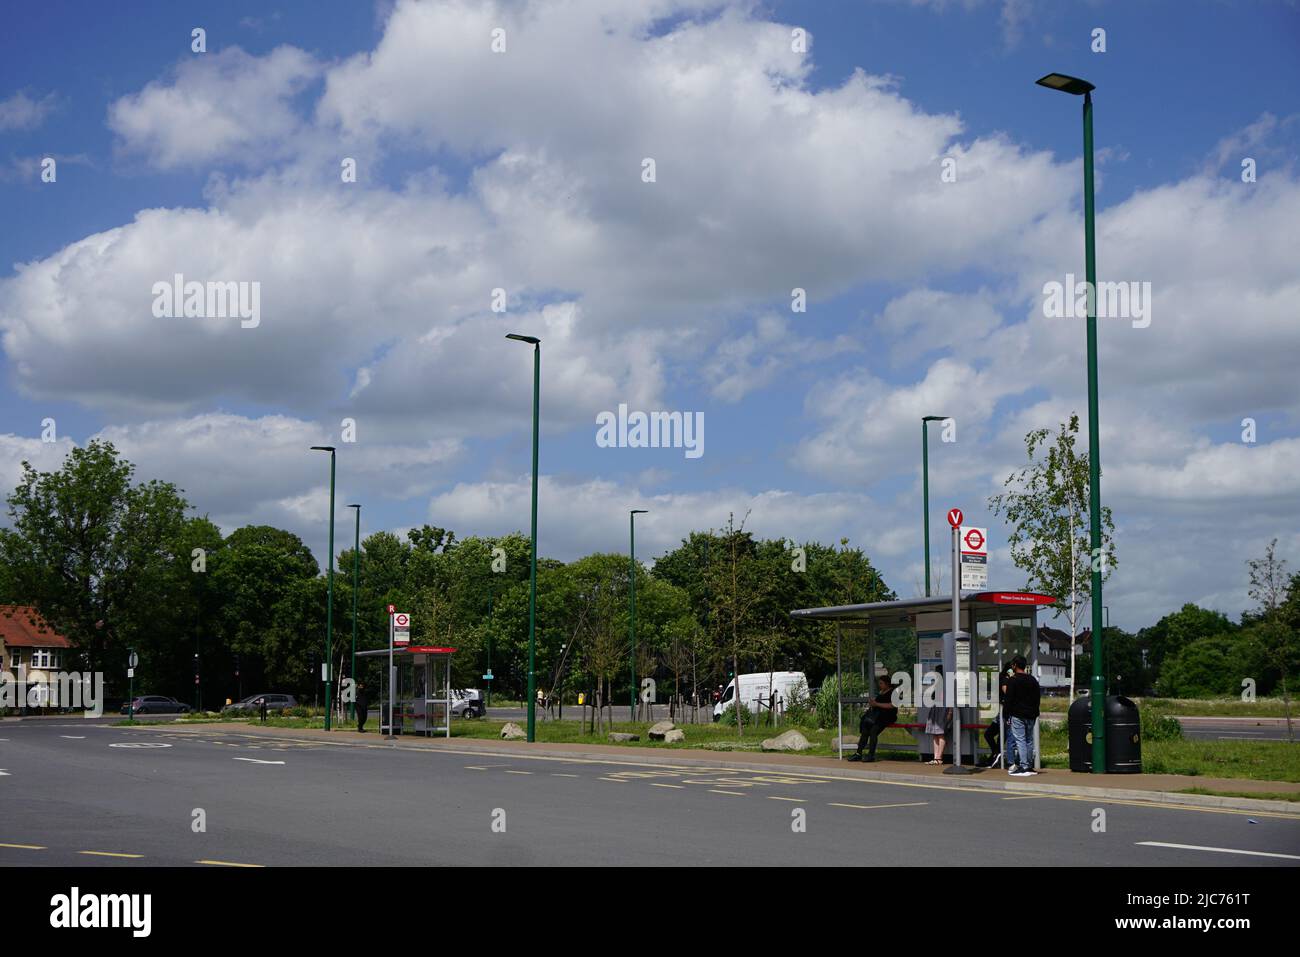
[89, 794]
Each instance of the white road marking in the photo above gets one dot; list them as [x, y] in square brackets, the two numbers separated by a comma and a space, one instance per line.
[872, 807]
[140, 744]
[4, 773]
[73, 737]
[256, 761]
[1218, 850]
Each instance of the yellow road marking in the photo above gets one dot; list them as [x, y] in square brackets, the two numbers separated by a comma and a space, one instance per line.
[771, 797]
[873, 807]
[26, 847]
[739, 794]
[655, 784]
[109, 854]
[518, 772]
[470, 767]
[228, 864]
[614, 780]
[557, 775]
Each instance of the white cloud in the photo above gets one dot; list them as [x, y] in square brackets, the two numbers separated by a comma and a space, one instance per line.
[227, 106]
[22, 112]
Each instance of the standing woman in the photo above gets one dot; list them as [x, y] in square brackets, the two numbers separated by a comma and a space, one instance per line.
[936, 726]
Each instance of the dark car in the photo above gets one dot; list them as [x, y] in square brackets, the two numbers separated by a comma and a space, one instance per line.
[253, 703]
[155, 704]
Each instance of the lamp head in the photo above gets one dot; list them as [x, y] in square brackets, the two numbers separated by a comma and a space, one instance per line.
[1066, 84]
[518, 338]
[322, 448]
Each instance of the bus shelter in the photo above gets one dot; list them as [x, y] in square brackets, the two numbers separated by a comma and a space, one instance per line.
[995, 626]
[415, 697]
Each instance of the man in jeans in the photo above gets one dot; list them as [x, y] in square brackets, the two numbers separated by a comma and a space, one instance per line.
[1022, 701]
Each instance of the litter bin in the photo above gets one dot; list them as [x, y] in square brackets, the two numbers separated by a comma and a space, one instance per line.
[1123, 735]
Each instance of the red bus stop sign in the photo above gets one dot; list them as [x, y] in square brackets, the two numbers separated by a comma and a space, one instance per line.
[954, 517]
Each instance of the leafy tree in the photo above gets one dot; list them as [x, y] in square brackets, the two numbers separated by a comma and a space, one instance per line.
[1046, 505]
[1208, 667]
[1275, 635]
[90, 549]
[1179, 629]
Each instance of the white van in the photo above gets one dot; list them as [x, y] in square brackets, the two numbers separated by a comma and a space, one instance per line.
[755, 687]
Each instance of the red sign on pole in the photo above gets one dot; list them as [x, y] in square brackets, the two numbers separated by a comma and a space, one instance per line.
[392, 608]
[974, 539]
[954, 517]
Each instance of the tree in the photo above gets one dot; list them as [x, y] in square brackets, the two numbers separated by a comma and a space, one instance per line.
[738, 583]
[1046, 504]
[1178, 629]
[91, 549]
[1274, 635]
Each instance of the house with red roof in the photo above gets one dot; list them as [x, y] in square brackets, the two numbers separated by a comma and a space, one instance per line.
[30, 647]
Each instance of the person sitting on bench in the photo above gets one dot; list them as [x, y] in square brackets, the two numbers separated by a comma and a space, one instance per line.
[880, 713]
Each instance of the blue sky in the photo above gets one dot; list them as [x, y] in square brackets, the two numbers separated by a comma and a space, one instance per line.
[521, 170]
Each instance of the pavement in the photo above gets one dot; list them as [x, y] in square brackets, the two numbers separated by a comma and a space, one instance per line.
[237, 795]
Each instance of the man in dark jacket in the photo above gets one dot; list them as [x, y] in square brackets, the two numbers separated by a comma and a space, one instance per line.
[363, 706]
[1022, 702]
[879, 714]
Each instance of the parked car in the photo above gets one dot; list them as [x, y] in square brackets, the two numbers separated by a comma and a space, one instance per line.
[155, 704]
[467, 703]
[253, 703]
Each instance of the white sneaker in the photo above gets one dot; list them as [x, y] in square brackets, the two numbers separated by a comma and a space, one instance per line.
[1024, 773]
[1013, 769]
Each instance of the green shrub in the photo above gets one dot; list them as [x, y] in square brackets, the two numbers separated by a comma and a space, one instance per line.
[1158, 726]
[729, 715]
[854, 687]
[799, 709]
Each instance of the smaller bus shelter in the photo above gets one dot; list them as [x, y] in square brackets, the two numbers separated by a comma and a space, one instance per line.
[995, 626]
[415, 697]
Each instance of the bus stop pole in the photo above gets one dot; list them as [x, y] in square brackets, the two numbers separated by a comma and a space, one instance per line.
[956, 627]
[390, 674]
[839, 698]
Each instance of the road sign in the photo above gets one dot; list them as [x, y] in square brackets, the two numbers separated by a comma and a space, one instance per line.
[133, 660]
[401, 628]
[130, 672]
[392, 608]
[974, 558]
[488, 676]
[954, 517]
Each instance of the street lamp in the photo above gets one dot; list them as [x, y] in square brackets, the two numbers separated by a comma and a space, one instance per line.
[329, 609]
[631, 622]
[1097, 688]
[532, 573]
[356, 584]
[925, 487]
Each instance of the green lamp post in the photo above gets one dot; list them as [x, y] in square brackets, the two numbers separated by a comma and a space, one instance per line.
[1097, 687]
[356, 585]
[631, 618]
[925, 487]
[329, 610]
[532, 572]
